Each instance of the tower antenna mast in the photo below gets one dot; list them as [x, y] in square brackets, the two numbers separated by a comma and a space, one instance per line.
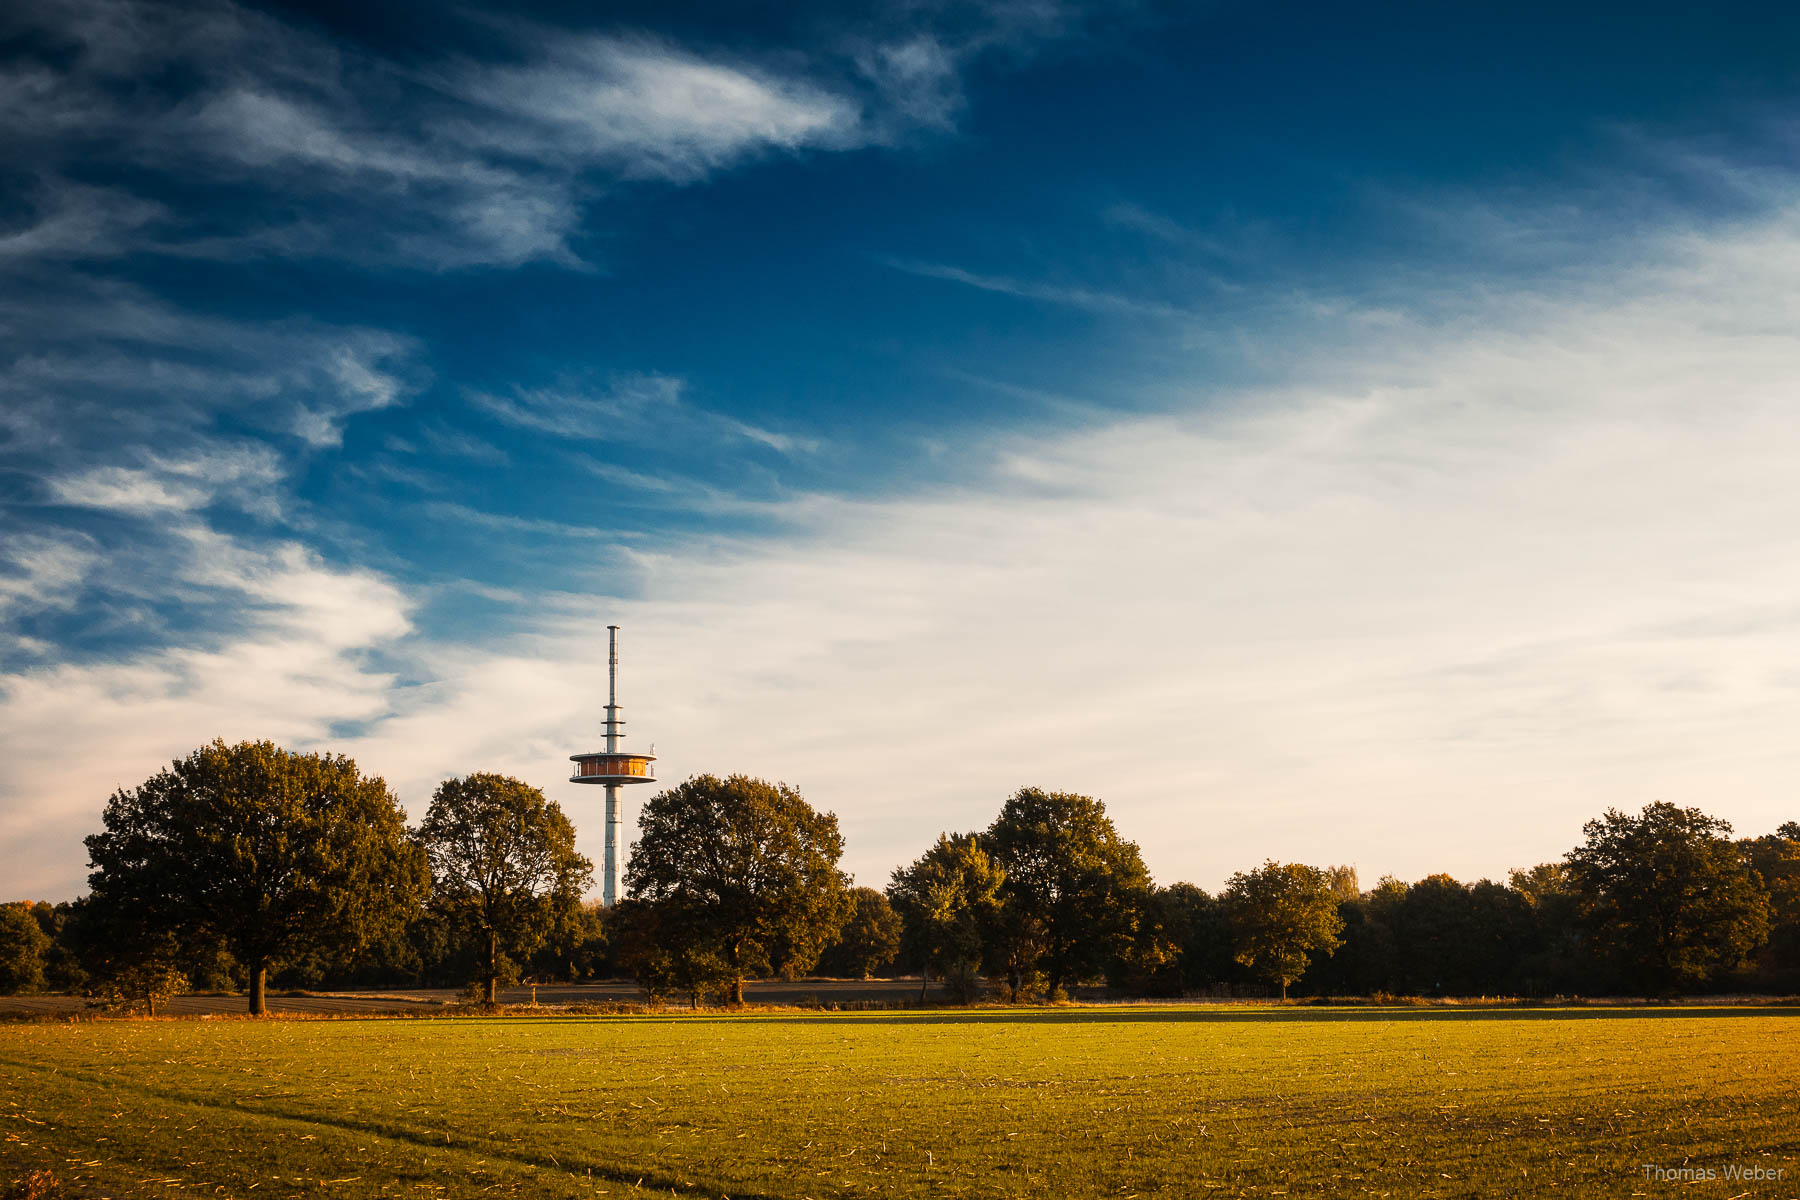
[612, 768]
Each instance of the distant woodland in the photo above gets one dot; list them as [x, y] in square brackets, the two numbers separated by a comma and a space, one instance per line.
[245, 867]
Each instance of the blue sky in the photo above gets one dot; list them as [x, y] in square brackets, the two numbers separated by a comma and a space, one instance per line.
[1325, 433]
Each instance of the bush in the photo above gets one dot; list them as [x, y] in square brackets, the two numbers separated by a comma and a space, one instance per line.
[148, 982]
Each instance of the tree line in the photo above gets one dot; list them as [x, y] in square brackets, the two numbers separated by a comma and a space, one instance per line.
[243, 864]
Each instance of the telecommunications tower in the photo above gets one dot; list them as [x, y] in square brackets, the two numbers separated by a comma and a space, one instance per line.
[612, 767]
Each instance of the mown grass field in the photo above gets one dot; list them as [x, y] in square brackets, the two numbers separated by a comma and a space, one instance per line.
[1120, 1102]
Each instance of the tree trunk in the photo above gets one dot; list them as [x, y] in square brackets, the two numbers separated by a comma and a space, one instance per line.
[259, 989]
[734, 960]
[924, 982]
[1284, 991]
[493, 968]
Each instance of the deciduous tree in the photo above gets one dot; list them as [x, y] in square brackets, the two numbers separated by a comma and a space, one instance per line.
[1668, 895]
[1154, 958]
[503, 868]
[947, 900]
[1282, 914]
[1342, 880]
[62, 967]
[745, 866]
[869, 939]
[576, 949]
[668, 950]
[22, 948]
[1501, 931]
[1434, 926]
[1073, 892]
[1776, 859]
[1557, 956]
[271, 853]
[1206, 951]
[126, 960]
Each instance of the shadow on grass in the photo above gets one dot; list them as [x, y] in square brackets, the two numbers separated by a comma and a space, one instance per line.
[463, 1143]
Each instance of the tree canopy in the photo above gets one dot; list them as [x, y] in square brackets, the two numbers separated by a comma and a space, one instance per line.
[23, 944]
[740, 869]
[1775, 857]
[1282, 914]
[668, 948]
[947, 901]
[268, 851]
[869, 939]
[1073, 890]
[1668, 894]
[504, 868]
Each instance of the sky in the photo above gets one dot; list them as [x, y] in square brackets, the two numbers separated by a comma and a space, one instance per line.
[1326, 433]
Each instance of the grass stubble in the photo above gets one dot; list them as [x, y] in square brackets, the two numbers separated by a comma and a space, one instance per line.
[1066, 1102]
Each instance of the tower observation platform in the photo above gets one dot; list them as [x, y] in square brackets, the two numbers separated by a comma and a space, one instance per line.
[612, 768]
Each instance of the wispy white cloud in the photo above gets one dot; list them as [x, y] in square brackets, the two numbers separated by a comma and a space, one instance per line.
[67, 220]
[245, 474]
[507, 523]
[921, 79]
[41, 571]
[359, 380]
[649, 110]
[622, 408]
[686, 494]
[445, 442]
[124, 489]
[326, 609]
[1226, 239]
[445, 165]
[75, 339]
[915, 55]
[628, 408]
[784, 443]
[639, 480]
[1096, 300]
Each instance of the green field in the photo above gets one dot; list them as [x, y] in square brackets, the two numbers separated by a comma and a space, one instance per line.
[1064, 1102]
